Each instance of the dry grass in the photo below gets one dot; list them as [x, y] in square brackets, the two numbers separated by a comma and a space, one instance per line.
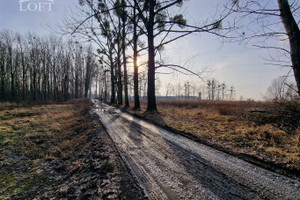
[31, 133]
[43, 131]
[267, 131]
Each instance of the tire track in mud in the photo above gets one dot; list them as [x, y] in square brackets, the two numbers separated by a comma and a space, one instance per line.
[170, 166]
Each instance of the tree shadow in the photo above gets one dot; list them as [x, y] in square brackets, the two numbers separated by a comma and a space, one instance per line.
[203, 171]
[206, 174]
[135, 132]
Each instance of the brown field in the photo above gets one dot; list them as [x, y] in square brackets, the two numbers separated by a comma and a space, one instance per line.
[56, 151]
[31, 134]
[35, 131]
[265, 131]
[59, 151]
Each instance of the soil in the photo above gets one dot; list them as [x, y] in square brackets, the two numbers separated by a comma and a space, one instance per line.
[99, 173]
[94, 172]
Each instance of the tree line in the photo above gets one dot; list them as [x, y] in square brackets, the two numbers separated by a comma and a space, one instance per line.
[35, 68]
[122, 30]
[41, 69]
[135, 26]
[212, 90]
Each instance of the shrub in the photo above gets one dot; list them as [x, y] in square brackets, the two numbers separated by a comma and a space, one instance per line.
[284, 115]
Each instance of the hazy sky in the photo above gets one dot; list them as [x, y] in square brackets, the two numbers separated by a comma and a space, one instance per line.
[234, 64]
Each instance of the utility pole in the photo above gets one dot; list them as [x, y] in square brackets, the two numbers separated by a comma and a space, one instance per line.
[223, 91]
[213, 87]
[218, 88]
[187, 90]
[209, 89]
[231, 92]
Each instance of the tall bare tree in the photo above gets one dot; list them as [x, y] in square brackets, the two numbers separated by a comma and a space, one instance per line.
[279, 20]
[293, 32]
[158, 21]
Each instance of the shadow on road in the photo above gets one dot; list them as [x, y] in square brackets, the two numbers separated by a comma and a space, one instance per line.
[209, 177]
[136, 131]
[150, 150]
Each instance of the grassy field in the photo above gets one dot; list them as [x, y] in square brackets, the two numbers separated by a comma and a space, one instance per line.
[59, 151]
[31, 134]
[267, 131]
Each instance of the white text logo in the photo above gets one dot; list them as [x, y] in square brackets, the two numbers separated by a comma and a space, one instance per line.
[36, 5]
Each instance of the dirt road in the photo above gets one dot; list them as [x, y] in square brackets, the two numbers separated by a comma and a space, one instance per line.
[170, 166]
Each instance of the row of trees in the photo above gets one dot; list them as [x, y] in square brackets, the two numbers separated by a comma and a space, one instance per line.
[213, 90]
[36, 68]
[219, 91]
[123, 29]
[133, 26]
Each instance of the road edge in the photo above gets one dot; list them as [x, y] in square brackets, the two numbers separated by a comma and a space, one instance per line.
[129, 175]
[251, 159]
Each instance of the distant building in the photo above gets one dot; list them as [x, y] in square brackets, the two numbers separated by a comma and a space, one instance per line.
[178, 98]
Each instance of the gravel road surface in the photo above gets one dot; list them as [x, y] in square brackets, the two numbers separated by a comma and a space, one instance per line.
[170, 166]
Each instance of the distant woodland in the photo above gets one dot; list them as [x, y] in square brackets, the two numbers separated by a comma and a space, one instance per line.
[36, 68]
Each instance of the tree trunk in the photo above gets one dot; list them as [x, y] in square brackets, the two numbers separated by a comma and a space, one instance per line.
[66, 80]
[44, 81]
[120, 92]
[76, 84]
[112, 80]
[23, 79]
[87, 75]
[12, 76]
[55, 92]
[293, 32]
[66, 89]
[151, 60]
[2, 79]
[105, 88]
[96, 89]
[137, 105]
[125, 67]
[34, 85]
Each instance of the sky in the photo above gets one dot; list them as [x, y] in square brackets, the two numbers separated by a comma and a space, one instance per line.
[235, 64]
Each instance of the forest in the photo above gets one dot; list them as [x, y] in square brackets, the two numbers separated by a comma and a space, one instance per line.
[43, 69]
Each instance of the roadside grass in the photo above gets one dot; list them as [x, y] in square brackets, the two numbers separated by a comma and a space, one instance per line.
[33, 133]
[265, 130]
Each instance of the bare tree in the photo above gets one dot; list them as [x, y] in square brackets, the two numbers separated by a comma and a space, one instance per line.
[279, 20]
[154, 15]
[89, 70]
[209, 89]
[154, 20]
[281, 89]
[2, 69]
